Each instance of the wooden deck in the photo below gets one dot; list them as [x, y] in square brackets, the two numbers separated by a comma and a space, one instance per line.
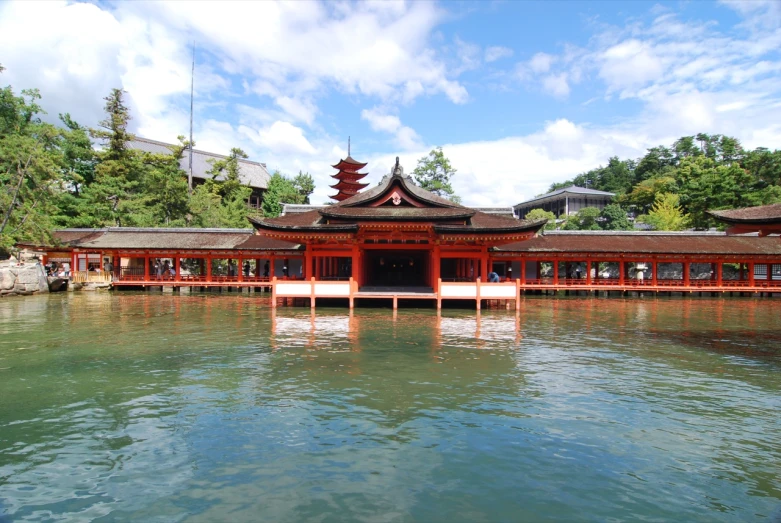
[506, 291]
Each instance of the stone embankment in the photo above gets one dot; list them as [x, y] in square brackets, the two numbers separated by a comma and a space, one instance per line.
[22, 278]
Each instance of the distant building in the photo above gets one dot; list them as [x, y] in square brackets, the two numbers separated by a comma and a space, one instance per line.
[252, 174]
[565, 202]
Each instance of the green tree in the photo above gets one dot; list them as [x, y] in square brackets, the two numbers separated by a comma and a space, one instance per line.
[165, 189]
[281, 189]
[656, 162]
[227, 173]
[206, 207]
[30, 165]
[666, 214]
[434, 172]
[539, 214]
[764, 165]
[644, 193]
[113, 199]
[586, 219]
[305, 185]
[614, 218]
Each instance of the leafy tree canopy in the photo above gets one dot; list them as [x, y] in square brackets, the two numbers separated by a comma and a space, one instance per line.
[666, 214]
[586, 219]
[539, 214]
[434, 172]
[30, 164]
[282, 189]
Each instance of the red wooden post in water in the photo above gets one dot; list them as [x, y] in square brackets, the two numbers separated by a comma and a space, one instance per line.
[523, 270]
[654, 275]
[719, 273]
[588, 272]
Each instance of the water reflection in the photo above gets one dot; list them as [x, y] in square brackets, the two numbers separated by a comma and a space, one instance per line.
[134, 406]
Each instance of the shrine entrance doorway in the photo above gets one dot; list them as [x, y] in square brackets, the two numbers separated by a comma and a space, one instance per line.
[397, 269]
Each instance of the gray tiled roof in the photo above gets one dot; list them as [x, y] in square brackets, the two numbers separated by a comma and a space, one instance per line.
[168, 239]
[253, 174]
[573, 189]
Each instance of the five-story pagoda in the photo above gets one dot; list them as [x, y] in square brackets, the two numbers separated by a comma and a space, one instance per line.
[348, 178]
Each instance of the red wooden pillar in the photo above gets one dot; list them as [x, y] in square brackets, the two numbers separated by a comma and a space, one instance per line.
[484, 265]
[686, 273]
[146, 267]
[523, 270]
[654, 276]
[177, 268]
[355, 270]
[436, 262]
[555, 272]
[240, 269]
[588, 272]
[720, 273]
[769, 272]
[750, 269]
[307, 262]
[208, 267]
[621, 272]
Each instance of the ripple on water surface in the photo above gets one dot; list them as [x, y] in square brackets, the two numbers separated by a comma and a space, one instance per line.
[157, 407]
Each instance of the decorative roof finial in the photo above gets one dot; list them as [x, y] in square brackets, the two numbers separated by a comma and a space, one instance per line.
[348, 146]
[397, 169]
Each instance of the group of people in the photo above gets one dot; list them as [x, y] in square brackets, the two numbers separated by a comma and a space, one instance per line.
[164, 270]
[58, 270]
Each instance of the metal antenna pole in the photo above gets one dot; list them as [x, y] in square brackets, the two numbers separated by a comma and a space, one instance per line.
[192, 91]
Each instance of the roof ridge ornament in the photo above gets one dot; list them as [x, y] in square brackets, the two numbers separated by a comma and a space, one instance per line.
[398, 170]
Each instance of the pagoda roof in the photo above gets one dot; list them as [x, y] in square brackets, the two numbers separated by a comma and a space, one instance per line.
[348, 185]
[351, 162]
[383, 203]
[349, 174]
[763, 214]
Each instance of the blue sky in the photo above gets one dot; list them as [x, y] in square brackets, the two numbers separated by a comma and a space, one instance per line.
[519, 94]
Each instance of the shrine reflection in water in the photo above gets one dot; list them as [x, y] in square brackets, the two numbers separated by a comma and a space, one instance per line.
[137, 406]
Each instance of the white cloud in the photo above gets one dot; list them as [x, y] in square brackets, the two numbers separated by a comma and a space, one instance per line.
[380, 120]
[497, 52]
[64, 67]
[541, 62]
[280, 137]
[556, 84]
[300, 110]
[629, 64]
[371, 49]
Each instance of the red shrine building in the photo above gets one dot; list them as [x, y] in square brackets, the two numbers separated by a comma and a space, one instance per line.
[396, 241]
[397, 235]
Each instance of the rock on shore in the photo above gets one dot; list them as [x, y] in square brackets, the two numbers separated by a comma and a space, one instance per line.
[22, 278]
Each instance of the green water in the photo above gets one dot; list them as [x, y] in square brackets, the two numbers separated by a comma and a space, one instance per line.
[133, 407]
